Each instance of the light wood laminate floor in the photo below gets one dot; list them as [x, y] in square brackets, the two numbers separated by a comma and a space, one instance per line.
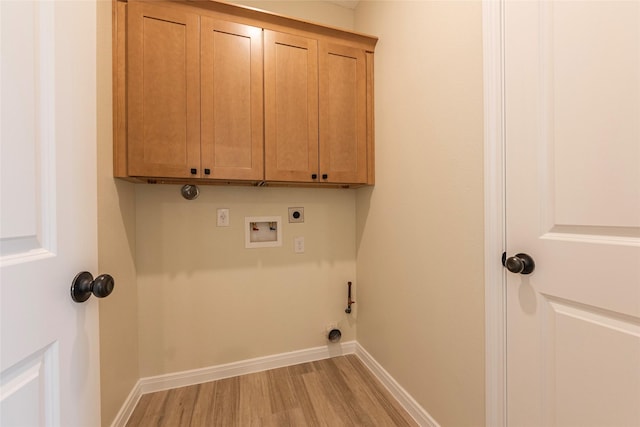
[334, 392]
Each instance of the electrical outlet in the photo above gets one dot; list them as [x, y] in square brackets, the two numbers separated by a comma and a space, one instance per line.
[296, 214]
[222, 217]
[298, 245]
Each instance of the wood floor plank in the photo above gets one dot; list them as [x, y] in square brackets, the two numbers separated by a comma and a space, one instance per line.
[253, 398]
[297, 373]
[181, 402]
[334, 392]
[357, 406]
[141, 407]
[203, 408]
[292, 418]
[375, 403]
[154, 412]
[302, 368]
[380, 395]
[281, 395]
[323, 403]
[226, 403]
[343, 399]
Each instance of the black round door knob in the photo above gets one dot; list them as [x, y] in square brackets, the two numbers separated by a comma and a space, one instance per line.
[84, 285]
[520, 263]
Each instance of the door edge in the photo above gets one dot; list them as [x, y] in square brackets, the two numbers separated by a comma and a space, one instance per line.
[494, 212]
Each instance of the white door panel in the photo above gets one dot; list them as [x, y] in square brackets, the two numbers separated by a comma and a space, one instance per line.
[27, 168]
[572, 85]
[591, 79]
[29, 390]
[48, 344]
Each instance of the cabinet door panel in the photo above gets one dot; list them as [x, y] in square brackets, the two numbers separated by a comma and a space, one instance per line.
[291, 112]
[163, 91]
[232, 110]
[343, 113]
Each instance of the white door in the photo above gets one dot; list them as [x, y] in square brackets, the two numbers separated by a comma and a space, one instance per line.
[572, 85]
[49, 344]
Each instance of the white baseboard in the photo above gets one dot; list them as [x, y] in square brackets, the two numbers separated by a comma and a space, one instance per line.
[418, 413]
[127, 407]
[212, 373]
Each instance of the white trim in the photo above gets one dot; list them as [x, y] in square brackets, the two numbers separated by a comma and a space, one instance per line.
[419, 414]
[213, 373]
[128, 407]
[494, 211]
[243, 367]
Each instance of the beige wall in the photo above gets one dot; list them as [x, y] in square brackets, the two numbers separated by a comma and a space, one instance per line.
[420, 230]
[116, 247]
[321, 12]
[205, 300]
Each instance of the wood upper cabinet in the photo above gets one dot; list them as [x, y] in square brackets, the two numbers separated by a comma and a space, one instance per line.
[343, 114]
[163, 91]
[195, 96]
[291, 107]
[219, 92]
[232, 104]
[315, 111]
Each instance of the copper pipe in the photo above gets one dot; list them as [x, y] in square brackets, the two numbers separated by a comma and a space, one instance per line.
[349, 300]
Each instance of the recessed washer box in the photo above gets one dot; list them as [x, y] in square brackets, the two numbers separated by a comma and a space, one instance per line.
[262, 231]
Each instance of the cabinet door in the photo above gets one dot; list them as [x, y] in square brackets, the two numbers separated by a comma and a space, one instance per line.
[343, 114]
[163, 91]
[232, 110]
[291, 107]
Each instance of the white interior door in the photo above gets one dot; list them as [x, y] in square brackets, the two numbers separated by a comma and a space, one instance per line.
[48, 231]
[572, 84]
